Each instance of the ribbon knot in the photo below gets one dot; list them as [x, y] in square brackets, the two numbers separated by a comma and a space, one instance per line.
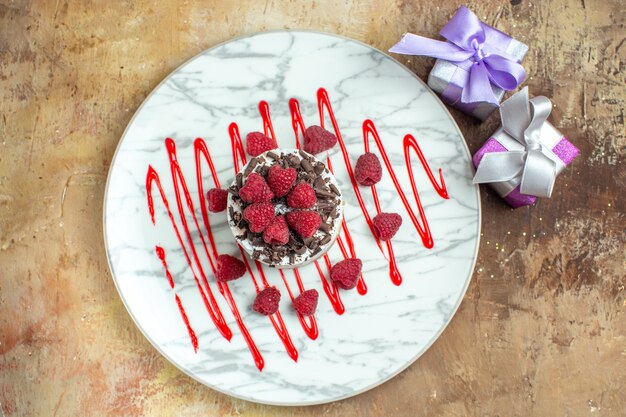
[466, 42]
[532, 168]
[479, 55]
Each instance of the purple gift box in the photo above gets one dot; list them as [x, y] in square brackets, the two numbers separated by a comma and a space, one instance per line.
[448, 78]
[474, 67]
[563, 152]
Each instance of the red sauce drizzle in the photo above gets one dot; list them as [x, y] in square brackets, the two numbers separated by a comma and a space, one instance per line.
[331, 289]
[192, 334]
[360, 285]
[223, 287]
[239, 156]
[161, 254]
[323, 102]
[296, 119]
[214, 312]
[177, 177]
[345, 242]
[308, 323]
[310, 328]
[264, 110]
[201, 149]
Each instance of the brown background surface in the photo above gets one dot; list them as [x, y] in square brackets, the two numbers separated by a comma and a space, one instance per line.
[541, 330]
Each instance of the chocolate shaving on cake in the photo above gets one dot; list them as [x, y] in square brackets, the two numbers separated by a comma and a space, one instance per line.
[319, 182]
[303, 154]
[251, 165]
[239, 180]
[272, 155]
[300, 250]
[319, 168]
[325, 227]
[323, 192]
[294, 162]
[334, 189]
[325, 240]
[306, 165]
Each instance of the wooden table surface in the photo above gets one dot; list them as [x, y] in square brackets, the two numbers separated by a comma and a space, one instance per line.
[541, 330]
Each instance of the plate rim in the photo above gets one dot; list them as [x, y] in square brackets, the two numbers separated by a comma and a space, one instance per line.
[410, 362]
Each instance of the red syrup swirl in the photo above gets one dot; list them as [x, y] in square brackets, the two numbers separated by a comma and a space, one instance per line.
[239, 157]
[212, 308]
[345, 243]
[223, 287]
[331, 289]
[200, 149]
[308, 323]
[161, 254]
[192, 334]
[323, 102]
[361, 287]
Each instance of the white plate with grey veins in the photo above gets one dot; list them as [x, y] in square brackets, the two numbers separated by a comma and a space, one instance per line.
[210, 332]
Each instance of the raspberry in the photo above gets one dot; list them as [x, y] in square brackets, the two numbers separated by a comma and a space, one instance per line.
[277, 232]
[368, 170]
[346, 273]
[304, 223]
[302, 196]
[306, 303]
[280, 180]
[266, 302]
[229, 268]
[258, 216]
[257, 143]
[317, 139]
[216, 199]
[386, 225]
[255, 190]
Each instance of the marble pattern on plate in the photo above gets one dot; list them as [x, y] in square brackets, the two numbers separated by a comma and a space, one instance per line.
[380, 333]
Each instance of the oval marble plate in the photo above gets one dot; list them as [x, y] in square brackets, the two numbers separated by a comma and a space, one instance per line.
[381, 332]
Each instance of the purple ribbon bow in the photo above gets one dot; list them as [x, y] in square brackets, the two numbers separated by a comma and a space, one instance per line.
[489, 64]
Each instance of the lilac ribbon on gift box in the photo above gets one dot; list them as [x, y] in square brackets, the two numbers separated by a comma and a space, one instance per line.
[474, 66]
[524, 156]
